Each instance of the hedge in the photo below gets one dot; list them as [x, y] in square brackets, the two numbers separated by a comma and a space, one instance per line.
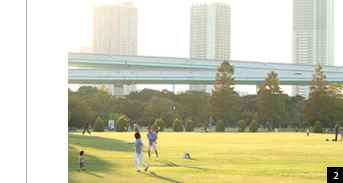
[177, 126]
[99, 125]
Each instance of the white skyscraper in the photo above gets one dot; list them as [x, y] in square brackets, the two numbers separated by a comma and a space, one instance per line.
[115, 32]
[115, 29]
[313, 35]
[210, 34]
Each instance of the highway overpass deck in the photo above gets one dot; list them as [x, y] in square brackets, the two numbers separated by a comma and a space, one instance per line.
[107, 61]
[169, 76]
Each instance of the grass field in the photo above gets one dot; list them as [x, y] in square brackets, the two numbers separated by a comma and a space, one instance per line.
[216, 157]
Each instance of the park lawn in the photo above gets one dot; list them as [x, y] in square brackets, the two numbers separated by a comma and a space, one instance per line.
[215, 157]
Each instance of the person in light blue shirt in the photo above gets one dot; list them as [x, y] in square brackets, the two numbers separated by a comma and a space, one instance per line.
[152, 142]
[139, 151]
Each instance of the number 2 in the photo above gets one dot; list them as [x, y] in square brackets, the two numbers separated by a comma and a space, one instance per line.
[336, 175]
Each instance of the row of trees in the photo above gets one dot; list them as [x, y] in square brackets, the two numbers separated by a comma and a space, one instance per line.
[269, 108]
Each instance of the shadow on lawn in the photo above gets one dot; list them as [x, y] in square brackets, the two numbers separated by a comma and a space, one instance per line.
[192, 159]
[100, 143]
[154, 175]
[171, 164]
[92, 163]
[93, 174]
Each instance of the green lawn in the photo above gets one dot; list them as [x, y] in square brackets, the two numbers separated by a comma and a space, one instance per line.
[216, 157]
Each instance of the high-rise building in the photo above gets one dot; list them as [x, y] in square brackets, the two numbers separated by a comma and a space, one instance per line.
[209, 34]
[210, 31]
[313, 35]
[115, 29]
[115, 32]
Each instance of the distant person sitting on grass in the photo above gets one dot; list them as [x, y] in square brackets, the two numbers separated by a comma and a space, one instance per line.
[139, 151]
[206, 129]
[307, 131]
[86, 128]
[81, 161]
[152, 142]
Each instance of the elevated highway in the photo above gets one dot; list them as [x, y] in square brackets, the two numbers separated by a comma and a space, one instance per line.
[86, 68]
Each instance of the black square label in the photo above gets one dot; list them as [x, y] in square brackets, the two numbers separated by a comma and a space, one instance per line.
[334, 174]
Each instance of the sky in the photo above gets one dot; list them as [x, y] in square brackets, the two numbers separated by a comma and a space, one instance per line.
[261, 30]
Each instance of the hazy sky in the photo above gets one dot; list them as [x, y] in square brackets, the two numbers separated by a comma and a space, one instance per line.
[261, 30]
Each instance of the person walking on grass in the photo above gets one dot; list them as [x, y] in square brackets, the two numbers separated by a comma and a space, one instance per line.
[307, 131]
[81, 161]
[152, 142]
[337, 129]
[139, 151]
[86, 128]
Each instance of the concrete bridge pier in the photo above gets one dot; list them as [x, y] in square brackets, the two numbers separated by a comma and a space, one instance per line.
[118, 90]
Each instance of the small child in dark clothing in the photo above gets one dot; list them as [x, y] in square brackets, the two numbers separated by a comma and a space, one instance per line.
[81, 161]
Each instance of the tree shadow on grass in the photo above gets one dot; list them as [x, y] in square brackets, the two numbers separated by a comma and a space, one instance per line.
[171, 164]
[154, 175]
[92, 163]
[100, 143]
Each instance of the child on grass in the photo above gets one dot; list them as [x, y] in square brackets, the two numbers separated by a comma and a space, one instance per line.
[81, 161]
[341, 133]
[139, 151]
[307, 131]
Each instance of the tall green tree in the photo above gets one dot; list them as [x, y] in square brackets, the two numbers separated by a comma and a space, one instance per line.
[131, 108]
[102, 104]
[167, 94]
[70, 93]
[224, 100]
[294, 111]
[143, 95]
[248, 103]
[78, 111]
[154, 108]
[317, 106]
[86, 91]
[168, 119]
[271, 103]
[335, 103]
[194, 103]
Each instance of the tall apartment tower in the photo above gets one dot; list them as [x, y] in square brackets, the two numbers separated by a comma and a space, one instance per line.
[313, 35]
[115, 29]
[115, 32]
[209, 34]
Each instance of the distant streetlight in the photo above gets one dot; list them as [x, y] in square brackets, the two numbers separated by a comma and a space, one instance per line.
[174, 111]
